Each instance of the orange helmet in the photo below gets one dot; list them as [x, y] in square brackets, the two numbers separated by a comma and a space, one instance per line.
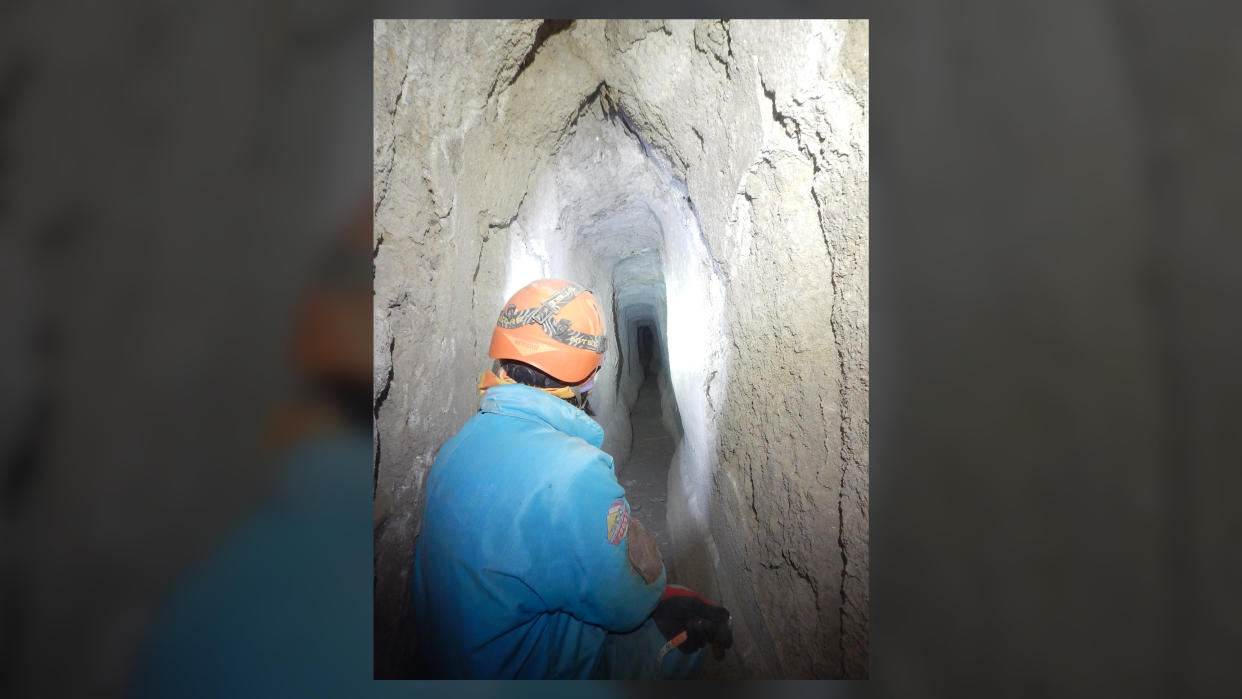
[553, 325]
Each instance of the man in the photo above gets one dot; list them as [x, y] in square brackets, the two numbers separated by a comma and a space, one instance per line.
[529, 563]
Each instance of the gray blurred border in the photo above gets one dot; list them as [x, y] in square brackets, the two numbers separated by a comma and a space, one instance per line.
[1054, 330]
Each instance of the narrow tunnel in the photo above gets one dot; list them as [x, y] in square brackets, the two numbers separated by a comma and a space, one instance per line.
[707, 181]
[608, 213]
[654, 440]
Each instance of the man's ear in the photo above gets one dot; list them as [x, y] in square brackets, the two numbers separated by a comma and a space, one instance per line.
[643, 552]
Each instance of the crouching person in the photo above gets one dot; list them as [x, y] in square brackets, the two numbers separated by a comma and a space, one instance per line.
[528, 563]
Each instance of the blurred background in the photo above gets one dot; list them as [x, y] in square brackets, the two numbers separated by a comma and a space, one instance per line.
[1054, 334]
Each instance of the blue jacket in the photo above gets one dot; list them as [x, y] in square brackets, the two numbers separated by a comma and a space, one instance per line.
[521, 567]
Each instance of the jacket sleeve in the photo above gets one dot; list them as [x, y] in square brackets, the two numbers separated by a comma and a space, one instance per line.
[597, 581]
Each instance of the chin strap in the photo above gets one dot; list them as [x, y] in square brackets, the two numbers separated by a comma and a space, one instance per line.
[496, 376]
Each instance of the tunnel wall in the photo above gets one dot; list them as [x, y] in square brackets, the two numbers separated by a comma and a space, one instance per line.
[734, 155]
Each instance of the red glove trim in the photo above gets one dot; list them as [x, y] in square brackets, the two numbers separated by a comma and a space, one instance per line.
[679, 591]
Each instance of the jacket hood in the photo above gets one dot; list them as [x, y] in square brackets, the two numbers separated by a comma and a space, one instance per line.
[517, 400]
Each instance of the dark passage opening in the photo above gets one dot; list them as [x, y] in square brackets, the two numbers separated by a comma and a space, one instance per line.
[644, 347]
[646, 475]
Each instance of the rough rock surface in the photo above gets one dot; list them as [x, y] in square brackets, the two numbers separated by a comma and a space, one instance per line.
[707, 179]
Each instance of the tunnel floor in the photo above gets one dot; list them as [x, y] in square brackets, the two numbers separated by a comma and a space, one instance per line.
[645, 478]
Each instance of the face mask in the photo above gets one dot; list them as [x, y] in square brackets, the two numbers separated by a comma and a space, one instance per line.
[585, 386]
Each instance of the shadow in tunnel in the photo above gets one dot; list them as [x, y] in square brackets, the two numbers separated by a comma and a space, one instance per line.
[644, 347]
[645, 477]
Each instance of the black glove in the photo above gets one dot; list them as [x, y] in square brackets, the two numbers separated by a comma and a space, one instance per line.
[680, 609]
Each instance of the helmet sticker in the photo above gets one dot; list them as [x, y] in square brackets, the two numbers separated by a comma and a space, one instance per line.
[543, 316]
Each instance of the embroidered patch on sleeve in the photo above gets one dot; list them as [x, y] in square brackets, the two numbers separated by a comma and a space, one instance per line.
[618, 521]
